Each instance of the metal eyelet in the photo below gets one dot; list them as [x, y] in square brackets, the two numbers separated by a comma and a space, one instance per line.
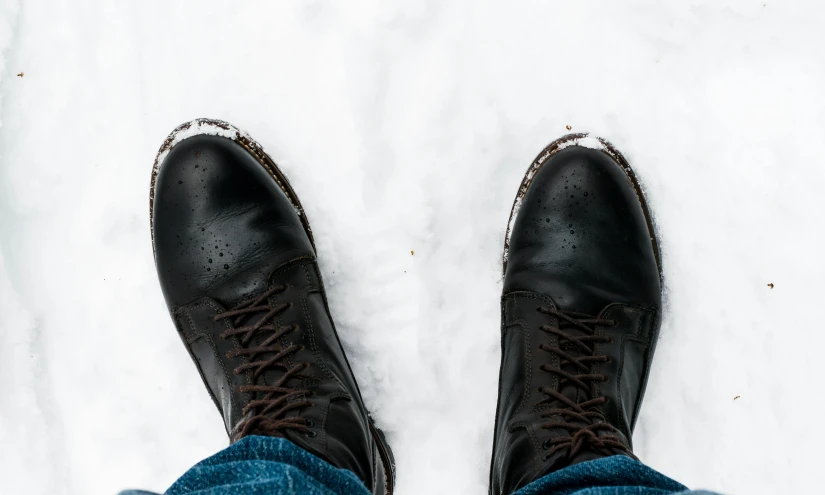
[545, 445]
[312, 433]
[310, 423]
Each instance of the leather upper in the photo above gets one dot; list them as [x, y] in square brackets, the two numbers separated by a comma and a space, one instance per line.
[225, 231]
[580, 243]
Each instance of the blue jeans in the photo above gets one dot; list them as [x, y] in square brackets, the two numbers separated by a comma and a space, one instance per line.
[274, 466]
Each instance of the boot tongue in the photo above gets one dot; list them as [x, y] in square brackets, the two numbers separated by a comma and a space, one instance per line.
[585, 456]
[567, 387]
[247, 284]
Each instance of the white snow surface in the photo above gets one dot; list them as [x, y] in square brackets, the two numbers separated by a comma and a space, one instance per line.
[407, 126]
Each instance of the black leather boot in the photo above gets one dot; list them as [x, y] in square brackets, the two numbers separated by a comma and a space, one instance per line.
[581, 308]
[236, 261]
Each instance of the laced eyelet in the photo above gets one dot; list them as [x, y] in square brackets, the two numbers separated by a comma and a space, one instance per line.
[310, 423]
[243, 328]
[544, 444]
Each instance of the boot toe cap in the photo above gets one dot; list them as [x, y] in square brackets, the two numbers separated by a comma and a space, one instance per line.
[582, 234]
[217, 211]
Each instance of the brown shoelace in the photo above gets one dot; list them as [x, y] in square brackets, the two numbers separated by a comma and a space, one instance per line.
[265, 413]
[582, 420]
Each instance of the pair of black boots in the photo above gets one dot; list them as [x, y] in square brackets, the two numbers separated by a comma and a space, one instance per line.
[581, 306]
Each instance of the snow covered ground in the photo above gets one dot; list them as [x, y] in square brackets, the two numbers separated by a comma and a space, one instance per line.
[406, 126]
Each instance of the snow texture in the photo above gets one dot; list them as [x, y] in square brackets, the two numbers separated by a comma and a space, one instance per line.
[407, 126]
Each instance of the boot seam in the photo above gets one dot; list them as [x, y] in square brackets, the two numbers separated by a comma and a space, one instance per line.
[187, 313]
